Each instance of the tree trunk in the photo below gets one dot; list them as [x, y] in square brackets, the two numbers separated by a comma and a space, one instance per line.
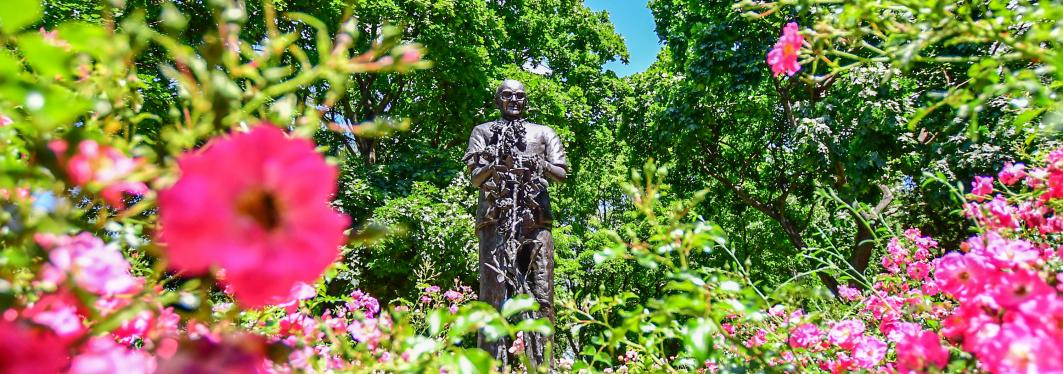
[794, 234]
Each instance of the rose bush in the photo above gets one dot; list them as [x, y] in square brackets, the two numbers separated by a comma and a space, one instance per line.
[992, 304]
[208, 240]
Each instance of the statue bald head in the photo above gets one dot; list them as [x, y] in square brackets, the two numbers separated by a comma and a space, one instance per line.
[511, 99]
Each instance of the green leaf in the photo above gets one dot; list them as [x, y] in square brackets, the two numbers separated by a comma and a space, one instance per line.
[540, 326]
[470, 361]
[55, 106]
[647, 262]
[699, 338]
[436, 321]
[85, 37]
[1027, 116]
[477, 315]
[9, 66]
[419, 345]
[17, 14]
[519, 304]
[47, 60]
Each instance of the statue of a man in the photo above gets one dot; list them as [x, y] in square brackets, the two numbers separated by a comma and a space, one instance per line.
[511, 161]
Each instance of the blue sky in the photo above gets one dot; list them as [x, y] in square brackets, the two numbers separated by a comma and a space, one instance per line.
[634, 22]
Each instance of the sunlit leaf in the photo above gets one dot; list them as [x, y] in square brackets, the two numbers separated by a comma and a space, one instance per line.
[519, 304]
[17, 14]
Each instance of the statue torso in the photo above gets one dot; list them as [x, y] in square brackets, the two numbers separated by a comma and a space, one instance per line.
[537, 139]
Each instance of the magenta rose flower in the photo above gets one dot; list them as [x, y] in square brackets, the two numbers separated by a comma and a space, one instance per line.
[783, 57]
[98, 166]
[982, 187]
[805, 336]
[255, 205]
[24, 349]
[94, 266]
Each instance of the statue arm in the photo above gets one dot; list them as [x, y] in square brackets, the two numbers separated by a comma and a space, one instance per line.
[479, 169]
[555, 166]
[480, 174]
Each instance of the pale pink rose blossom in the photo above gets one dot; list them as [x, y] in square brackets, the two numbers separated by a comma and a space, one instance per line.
[844, 334]
[452, 295]
[361, 301]
[869, 351]
[517, 348]
[848, 293]
[758, 338]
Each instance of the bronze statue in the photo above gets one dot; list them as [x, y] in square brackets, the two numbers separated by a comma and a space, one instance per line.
[511, 161]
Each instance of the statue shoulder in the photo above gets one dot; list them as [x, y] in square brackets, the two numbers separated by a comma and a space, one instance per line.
[541, 129]
[483, 127]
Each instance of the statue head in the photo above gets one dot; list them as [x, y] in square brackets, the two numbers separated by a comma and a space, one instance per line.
[511, 99]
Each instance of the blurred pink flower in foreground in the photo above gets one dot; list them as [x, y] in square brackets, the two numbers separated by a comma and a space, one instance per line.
[255, 205]
[783, 57]
[300, 291]
[94, 266]
[920, 351]
[106, 167]
[103, 355]
[234, 353]
[29, 350]
[59, 312]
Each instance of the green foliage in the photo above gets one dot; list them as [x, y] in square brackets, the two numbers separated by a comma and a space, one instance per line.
[1007, 50]
[711, 110]
[798, 175]
[431, 239]
[679, 327]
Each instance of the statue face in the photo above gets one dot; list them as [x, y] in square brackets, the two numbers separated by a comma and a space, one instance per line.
[511, 99]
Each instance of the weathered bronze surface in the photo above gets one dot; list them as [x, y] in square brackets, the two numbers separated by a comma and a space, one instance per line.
[512, 161]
